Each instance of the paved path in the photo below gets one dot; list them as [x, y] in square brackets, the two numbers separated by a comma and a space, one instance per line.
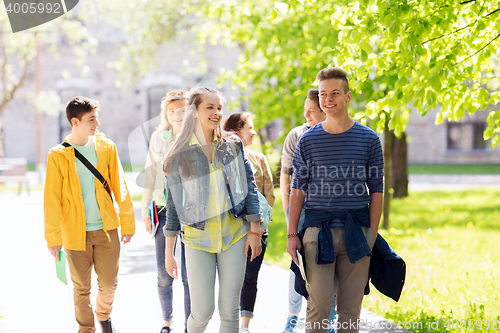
[452, 182]
[33, 300]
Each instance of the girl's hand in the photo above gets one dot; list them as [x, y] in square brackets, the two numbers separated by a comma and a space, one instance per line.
[147, 224]
[171, 265]
[255, 243]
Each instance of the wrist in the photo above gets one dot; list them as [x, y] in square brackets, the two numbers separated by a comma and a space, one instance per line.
[292, 234]
[254, 233]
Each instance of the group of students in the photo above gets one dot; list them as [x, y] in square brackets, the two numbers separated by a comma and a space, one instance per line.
[205, 183]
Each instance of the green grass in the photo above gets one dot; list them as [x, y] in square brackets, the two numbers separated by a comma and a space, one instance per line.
[450, 241]
[413, 169]
[454, 169]
[136, 197]
[276, 243]
[15, 188]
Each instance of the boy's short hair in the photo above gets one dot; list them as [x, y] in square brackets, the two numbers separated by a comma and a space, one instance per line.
[334, 73]
[78, 106]
[313, 95]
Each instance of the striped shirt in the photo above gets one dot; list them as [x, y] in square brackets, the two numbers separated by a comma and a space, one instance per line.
[221, 230]
[338, 171]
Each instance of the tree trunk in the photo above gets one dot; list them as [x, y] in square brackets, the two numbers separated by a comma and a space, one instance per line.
[388, 150]
[400, 167]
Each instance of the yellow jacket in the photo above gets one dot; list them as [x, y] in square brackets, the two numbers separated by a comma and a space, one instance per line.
[63, 204]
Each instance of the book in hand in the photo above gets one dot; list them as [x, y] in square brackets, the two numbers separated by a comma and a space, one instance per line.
[154, 218]
[61, 267]
[301, 265]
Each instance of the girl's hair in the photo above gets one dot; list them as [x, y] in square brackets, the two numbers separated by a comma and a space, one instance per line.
[236, 121]
[165, 101]
[313, 95]
[181, 144]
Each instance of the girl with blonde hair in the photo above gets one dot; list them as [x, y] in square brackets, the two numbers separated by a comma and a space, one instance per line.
[173, 107]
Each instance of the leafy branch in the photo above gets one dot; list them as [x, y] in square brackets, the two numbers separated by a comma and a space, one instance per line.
[478, 51]
[464, 27]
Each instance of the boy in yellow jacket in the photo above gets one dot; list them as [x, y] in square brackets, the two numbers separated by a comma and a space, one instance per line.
[79, 212]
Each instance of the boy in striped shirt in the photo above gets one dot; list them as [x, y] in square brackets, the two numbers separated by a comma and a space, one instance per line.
[338, 179]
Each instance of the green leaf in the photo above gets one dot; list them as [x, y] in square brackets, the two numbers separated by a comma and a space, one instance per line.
[435, 83]
[496, 141]
[488, 132]
[365, 46]
[355, 36]
[431, 97]
[439, 118]
[363, 56]
[399, 94]
[272, 15]
[327, 49]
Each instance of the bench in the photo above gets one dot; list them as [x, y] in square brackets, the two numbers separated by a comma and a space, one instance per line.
[14, 170]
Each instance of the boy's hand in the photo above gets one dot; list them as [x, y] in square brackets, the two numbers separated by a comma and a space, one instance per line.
[292, 245]
[54, 250]
[126, 238]
[147, 223]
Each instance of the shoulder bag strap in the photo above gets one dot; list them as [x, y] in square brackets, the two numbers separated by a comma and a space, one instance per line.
[91, 168]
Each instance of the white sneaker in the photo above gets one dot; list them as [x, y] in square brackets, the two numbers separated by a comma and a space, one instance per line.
[244, 330]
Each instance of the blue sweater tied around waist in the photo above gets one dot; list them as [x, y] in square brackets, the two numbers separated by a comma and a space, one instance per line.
[387, 269]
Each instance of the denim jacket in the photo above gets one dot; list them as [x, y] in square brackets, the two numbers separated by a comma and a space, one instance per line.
[187, 198]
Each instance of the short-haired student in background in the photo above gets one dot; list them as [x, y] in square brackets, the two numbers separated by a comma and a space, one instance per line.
[211, 188]
[313, 115]
[241, 123]
[173, 106]
[342, 193]
[79, 212]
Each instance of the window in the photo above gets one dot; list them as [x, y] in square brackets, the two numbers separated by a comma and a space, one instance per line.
[155, 94]
[466, 136]
[66, 95]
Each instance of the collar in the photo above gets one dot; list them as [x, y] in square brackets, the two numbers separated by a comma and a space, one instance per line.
[195, 142]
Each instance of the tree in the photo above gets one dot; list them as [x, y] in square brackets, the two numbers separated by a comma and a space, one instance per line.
[402, 55]
[18, 51]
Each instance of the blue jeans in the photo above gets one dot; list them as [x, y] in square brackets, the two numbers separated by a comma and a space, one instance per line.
[203, 266]
[165, 280]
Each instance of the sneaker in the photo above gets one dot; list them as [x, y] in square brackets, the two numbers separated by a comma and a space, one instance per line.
[291, 323]
[166, 329]
[244, 330]
[107, 326]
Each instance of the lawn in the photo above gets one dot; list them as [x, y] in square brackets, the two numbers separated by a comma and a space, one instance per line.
[450, 241]
[454, 169]
[413, 169]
